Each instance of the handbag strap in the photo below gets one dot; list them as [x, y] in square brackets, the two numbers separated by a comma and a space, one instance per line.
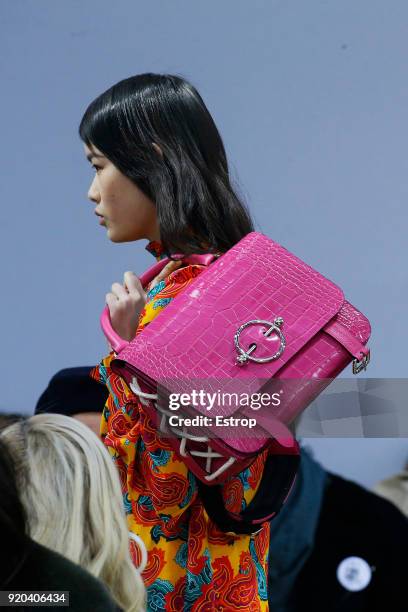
[278, 478]
[347, 339]
[117, 343]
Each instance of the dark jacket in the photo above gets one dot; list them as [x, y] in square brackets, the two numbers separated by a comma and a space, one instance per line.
[351, 523]
[356, 523]
[45, 570]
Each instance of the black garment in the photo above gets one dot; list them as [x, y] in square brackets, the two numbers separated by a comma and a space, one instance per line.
[292, 531]
[71, 391]
[354, 522]
[45, 570]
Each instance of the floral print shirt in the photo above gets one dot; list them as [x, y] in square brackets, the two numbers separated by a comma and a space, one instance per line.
[192, 565]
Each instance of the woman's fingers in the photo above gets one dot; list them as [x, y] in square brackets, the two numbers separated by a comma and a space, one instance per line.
[132, 283]
[111, 300]
[126, 301]
[119, 290]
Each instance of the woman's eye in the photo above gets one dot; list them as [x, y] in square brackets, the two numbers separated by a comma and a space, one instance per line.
[96, 168]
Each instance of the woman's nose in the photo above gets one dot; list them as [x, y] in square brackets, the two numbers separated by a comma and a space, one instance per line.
[93, 193]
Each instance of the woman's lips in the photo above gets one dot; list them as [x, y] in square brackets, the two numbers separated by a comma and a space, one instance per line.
[101, 219]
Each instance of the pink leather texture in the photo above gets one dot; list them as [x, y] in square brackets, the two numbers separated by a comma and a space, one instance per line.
[193, 338]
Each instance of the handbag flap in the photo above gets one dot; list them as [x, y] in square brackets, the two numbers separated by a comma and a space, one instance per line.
[257, 279]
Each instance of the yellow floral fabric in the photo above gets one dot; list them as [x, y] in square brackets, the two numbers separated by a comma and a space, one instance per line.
[192, 565]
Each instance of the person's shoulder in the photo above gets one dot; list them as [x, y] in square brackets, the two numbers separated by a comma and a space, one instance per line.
[364, 535]
[358, 515]
[185, 274]
[353, 500]
[46, 570]
[174, 283]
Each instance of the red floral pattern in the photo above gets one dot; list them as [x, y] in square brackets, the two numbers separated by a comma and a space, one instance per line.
[191, 563]
[228, 592]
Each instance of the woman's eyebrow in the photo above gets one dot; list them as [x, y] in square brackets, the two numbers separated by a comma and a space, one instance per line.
[91, 155]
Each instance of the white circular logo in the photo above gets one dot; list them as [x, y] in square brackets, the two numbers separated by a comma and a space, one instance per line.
[354, 574]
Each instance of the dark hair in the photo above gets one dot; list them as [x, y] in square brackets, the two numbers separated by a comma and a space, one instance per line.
[197, 208]
[13, 521]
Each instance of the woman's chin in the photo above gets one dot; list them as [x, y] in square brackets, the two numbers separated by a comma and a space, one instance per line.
[117, 237]
[112, 235]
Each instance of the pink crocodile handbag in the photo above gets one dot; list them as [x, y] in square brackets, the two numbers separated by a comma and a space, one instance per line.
[257, 319]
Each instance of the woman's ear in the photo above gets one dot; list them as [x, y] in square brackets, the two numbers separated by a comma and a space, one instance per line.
[157, 149]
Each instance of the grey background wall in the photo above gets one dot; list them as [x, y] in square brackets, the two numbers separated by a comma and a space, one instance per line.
[312, 101]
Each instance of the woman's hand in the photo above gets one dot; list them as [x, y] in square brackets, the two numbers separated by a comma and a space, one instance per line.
[125, 304]
[127, 301]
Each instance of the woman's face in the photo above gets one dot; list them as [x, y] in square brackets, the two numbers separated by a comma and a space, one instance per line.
[126, 212]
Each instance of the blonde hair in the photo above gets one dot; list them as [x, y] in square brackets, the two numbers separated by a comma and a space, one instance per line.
[71, 491]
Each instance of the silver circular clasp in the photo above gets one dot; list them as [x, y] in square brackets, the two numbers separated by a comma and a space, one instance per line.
[245, 356]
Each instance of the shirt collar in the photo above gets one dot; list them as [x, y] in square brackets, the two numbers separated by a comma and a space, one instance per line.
[155, 247]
